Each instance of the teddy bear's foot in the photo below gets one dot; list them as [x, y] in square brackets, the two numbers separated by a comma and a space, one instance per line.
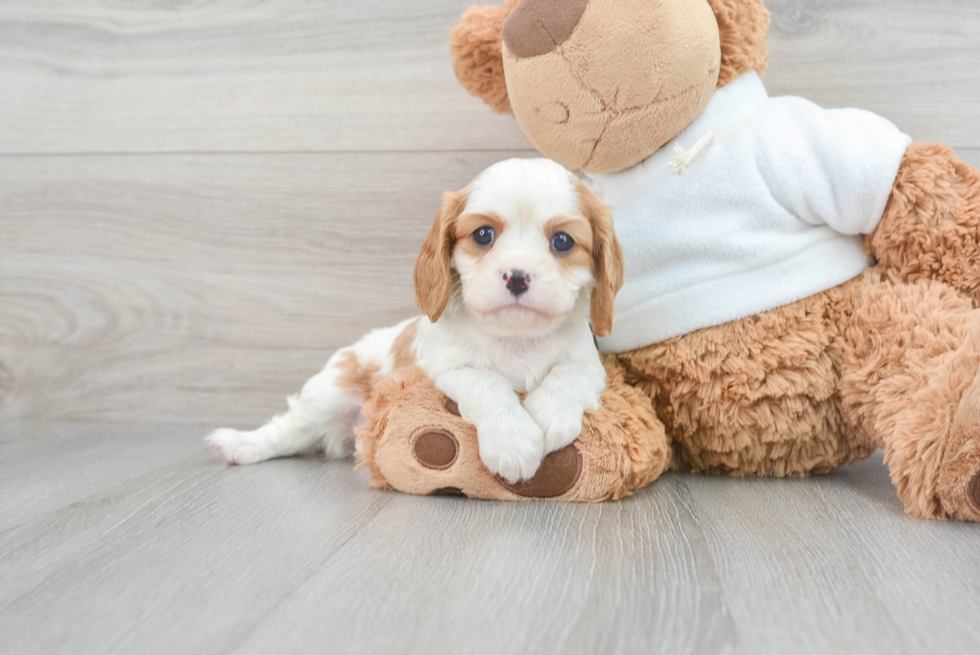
[428, 449]
[958, 484]
[415, 441]
[558, 474]
[438, 450]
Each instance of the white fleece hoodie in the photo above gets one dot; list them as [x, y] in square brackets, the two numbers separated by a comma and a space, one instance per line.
[772, 211]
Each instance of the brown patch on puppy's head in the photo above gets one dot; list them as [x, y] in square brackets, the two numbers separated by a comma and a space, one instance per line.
[467, 224]
[579, 228]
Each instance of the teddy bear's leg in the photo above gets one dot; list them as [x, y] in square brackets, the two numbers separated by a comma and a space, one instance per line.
[758, 396]
[415, 441]
[931, 225]
[909, 362]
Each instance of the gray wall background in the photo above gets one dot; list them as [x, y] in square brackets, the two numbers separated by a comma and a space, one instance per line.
[199, 202]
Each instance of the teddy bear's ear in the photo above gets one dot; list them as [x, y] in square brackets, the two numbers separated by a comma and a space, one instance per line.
[744, 27]
[478, 58]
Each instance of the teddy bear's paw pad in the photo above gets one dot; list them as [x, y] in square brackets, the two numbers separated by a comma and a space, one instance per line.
[973, 490]
[435, 449]
[448, 491]
[558, 473]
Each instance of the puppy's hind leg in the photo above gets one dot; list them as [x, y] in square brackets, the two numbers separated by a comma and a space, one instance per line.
[326, 411]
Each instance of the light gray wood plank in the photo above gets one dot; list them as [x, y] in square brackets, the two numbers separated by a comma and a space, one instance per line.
[133, 562]
[969, 155]
[630, 577]
[279, 75]
[690, 565]
[44, 466]
[855, 573]
[289, 555]
[290, 75]
[201, 288]
[911, 62]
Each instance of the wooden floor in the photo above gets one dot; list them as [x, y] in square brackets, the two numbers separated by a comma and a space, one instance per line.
[128, 538]
[200, 201]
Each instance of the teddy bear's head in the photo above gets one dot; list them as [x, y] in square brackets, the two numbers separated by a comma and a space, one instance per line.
[600, 85]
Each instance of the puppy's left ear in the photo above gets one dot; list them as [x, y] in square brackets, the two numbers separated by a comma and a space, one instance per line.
[433, 277]
[608, 258]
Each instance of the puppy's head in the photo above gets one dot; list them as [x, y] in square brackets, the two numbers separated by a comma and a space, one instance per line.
[527, 242]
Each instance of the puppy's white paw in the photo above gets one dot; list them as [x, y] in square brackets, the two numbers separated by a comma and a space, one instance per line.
[511, 445]
[236, 446]
[559, 418]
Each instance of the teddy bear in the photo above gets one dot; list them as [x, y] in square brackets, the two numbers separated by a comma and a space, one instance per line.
[801, 283]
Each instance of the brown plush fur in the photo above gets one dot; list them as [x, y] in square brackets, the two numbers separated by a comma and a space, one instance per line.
[931, 226]
[475, 46]
[909, 354]
[757, 396]
[823, 382]
[961, 461]
[744, 27]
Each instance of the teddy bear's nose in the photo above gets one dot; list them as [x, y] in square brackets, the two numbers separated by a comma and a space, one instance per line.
[536, 27]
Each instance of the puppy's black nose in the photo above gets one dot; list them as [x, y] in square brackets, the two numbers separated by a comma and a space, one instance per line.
[518, 281]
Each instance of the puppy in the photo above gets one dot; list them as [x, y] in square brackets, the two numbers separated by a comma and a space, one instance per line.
[510, 274]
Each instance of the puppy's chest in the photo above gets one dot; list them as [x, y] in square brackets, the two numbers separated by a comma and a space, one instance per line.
[524, 364]
[524, 368]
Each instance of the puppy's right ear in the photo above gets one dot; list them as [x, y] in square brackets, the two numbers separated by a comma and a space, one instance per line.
[433, 277]
[476, 46]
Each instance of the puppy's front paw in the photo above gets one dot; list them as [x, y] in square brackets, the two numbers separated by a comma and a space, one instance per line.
[235, 446]
[511, 445]
[559, 418]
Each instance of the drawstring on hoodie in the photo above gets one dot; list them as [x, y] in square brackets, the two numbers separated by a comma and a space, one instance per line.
[684, 159]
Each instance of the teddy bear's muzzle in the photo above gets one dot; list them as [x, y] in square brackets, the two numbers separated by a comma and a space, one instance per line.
[536, 27]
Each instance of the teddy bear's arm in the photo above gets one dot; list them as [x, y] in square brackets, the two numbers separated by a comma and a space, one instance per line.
[511, 443]
[828, 167]
[931, 225]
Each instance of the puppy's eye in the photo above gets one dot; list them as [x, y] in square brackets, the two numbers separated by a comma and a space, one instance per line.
[561, 242]
[484, 236]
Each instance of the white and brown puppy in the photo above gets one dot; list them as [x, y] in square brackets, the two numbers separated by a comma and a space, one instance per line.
[511, 272]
